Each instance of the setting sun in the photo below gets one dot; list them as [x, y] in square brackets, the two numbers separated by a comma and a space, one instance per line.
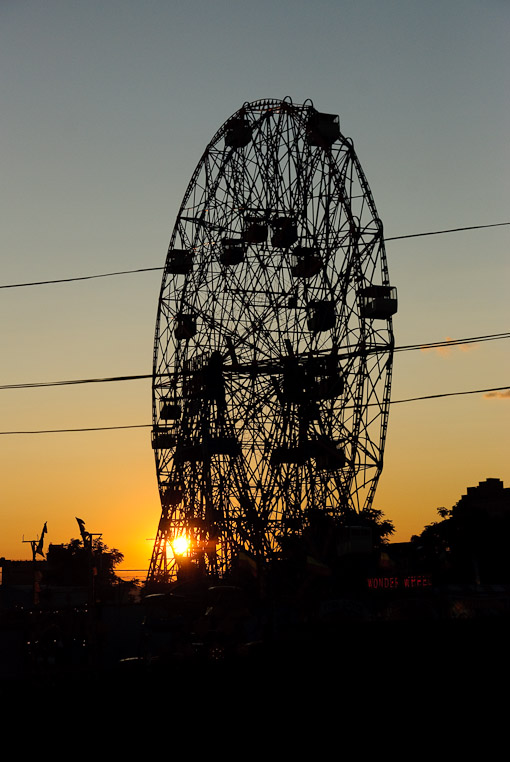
[180, 545]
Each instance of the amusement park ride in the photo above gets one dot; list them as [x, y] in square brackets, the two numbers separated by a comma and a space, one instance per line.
[274, 342]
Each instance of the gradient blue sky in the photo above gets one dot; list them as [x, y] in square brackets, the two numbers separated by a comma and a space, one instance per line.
[106, 109]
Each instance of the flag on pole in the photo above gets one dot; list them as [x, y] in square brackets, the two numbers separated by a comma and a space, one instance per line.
[39, 547]
[83, 532]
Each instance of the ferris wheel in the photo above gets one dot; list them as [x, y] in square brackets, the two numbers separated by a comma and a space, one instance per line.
[273, 346]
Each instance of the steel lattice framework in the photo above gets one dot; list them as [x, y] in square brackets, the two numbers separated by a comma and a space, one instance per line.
[273, 346]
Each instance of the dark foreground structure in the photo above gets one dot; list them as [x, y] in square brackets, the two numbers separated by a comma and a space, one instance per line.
[258, 632]
[437, 607]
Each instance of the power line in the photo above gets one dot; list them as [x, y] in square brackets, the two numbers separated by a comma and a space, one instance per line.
[451, 394]
[39, 384]
[89, 428]
[451, 230]
[81, 277]
[108, 379]
[152, 269]
[148, 425]
[452, 342]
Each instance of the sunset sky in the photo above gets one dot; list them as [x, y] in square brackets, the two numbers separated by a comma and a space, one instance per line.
[107, 106]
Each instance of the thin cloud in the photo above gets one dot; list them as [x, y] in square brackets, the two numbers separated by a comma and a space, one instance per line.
[504, 395]
[446, 350]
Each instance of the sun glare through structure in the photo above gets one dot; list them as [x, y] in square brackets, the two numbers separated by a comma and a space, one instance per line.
[180, 545]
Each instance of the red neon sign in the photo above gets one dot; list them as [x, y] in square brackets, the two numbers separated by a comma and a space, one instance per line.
[413, 581]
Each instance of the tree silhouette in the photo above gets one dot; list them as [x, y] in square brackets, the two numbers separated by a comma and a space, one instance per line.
[373, 519]
[72, 563]
[470, 543]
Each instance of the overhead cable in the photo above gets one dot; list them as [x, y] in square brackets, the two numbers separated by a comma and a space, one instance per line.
[108, 379]
[453, 342]
[451, 230]
[39, 384]
[152, 269]
[148, 425]
[451, 394]
[81, 277]
[89, 428]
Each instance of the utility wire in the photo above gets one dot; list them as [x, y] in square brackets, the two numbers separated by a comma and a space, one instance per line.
[81, 277]
[451, 394]
[148, 425]
[37, 385]
[152, 269]
[452, 230]
[452, 342]
[405, 348]
[90, 428]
